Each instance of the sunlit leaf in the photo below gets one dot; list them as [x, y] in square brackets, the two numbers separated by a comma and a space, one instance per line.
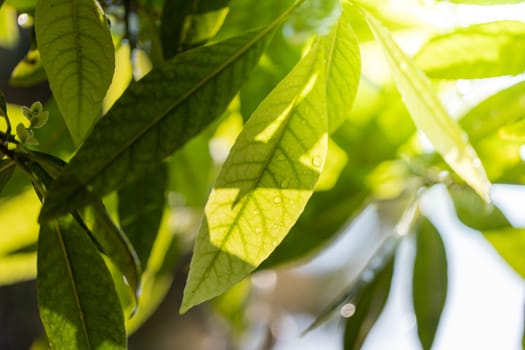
[429, 114]
[514, 132]
[484, 2]
[478, 51]
[16, 268]
[265, 183]
[79, 306]
[9, 34]
[7, 167]
[502, 108]
[22, 5]
[368, 307]
[140, 208]
[29, 71]
[510, 244]
[121, 78]
[185, 24]
[77, 52]
[343, 64]
[156, 116]
[430, 280]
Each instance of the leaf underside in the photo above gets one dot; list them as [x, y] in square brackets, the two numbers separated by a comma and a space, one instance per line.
[77, 53]
[265, 183]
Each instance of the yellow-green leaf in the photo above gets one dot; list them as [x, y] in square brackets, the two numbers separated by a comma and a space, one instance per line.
[343, 64]
[478, 51]
[514, 131]
[17, 268]
[29, 71]
[265, 183]
[78, 56]
[510, 244]
[429, 115]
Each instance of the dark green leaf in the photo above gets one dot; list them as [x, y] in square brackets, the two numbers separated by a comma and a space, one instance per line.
[188, 23]
[500, 109]
[7, 168]
[140, 208]
[77, 53]
[478, 51]
[368, 307]
[156, 116]
[510, 244]
[78, 303]
[430, 280]
[114, 244]
[3, 105]
[29, 71]
[474, 212]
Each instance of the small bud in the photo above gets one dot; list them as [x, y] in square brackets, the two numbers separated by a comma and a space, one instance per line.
[40, 120]
[22, 132]
[27, 112]
[36, 107]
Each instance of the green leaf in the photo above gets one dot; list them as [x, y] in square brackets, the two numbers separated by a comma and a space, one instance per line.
[77, 53]
[79, 306]
[156, 116]
[487, 117]
[478, 51]
[484, 2]
[185, 24]
[264, 184]
[140, 209]
[368, 307]
[3, 105]
[514, 132]
[474, 212]
[343, 64]
[22, 5]
[429, 114]
[510, 244]
[9, 33]
[7, 168]
[115, 245]
[16, 268]
[430, 280]
[29, 71]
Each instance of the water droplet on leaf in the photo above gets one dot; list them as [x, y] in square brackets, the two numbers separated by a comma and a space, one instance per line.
[317, 161]
[277, 200]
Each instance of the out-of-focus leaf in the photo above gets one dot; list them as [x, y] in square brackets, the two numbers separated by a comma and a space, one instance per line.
[264, 184]
[484, 2]
[79, 306]
[478, 51]
[29, 71]
[22, 5]
[368, 307]
[140, 208]
[156, 116]
[430, 281]
[474, 212]
[17, 268]
[510, 244]
[186, 24]
[514, 132]
[8, 27]
[77, 53]
[490, 115]
[429, 114]
[7, 167]
[343, 64]
[121, 78]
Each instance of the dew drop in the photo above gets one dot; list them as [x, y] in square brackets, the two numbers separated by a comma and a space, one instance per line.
[277, 200]
[284, 183]
[317, 161]
[348, 310]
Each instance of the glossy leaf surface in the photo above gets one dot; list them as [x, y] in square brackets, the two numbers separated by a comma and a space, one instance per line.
[430, 281]
[429, 115]
[77, 313]
[264, 184]
[77, 52]
[161, 113]
[478, 51]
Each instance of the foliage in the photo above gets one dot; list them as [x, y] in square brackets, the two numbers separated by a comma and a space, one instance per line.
[276, 130]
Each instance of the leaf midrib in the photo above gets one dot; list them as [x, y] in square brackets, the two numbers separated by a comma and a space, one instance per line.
[67, 261]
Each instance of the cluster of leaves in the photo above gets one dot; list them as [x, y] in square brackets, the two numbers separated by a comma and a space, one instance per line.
[304, 157]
